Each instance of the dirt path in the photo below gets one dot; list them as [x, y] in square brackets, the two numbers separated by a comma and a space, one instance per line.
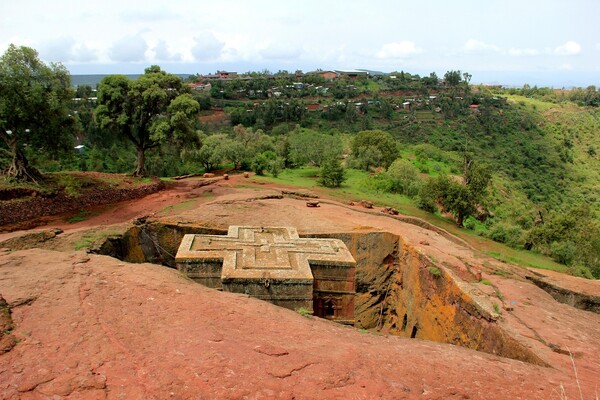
[175, 193]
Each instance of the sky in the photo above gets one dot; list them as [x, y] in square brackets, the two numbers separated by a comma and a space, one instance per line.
[511, 42]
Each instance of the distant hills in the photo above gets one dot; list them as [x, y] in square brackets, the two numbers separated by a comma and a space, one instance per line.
[94, 79]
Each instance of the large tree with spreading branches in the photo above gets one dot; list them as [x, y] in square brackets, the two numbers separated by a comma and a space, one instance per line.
[34, 109]
[149, 111]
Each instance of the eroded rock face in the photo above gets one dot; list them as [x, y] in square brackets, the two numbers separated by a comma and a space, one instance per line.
[402, 292]
[399, 291]
[101, 328]
[7, 339]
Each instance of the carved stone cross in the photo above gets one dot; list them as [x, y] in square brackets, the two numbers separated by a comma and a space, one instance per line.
[271, 263]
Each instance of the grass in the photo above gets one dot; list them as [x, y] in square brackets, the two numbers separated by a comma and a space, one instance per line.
[531, 102]
[435, 271]
[485, 282]
[305, 312]
[357, 187]
[525, 258]
[74, 184]
[90, 238]
[180, 207]
[82, 215]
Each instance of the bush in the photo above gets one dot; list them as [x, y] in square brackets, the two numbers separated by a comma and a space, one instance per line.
[506, 233]
[332, 173]
[275, 166]
[262, 162]
[563, 252]
[426, 198]
[581, 271]
[404, 177]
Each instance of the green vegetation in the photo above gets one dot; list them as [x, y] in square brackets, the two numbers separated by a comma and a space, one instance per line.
[34, 109]
[305, 312]
[332, 174]
[518, 166]
[90, 239]
[149, 111]
[434, 271]
[82, 215]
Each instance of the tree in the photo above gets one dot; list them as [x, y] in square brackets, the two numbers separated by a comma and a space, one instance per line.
[34, 100]
[404, 177]
[269, 161]
[152, 110]
[210, 154]
[307, 146]
[332, 173]
[462, 199]
[453, 78]
[374, 148]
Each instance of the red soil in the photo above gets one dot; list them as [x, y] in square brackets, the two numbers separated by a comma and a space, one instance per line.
[94, 327]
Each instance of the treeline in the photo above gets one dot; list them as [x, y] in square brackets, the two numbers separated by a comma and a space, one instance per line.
[496, 166]
[589, 96]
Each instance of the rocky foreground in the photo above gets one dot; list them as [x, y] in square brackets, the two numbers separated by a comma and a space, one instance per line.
[85, 326]
[93, 327]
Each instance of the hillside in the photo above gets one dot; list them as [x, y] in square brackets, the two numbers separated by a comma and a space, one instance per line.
[534, 150]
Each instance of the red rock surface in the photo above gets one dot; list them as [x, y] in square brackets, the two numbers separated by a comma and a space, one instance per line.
[92, 327]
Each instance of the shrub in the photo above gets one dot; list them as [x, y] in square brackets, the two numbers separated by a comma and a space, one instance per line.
[426, 198]
[404, 177]
[581, 271]
[275, 166]
[332, 173]
[435, 271]
[511, 235]
[563, 252]
[262, 162]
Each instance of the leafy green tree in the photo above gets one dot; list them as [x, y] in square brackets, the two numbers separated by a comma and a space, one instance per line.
[374, 148]
[211, 153]
[332, 173]
[235, 152]
[462, 199]
[571, 236]
[152, 110]
[309, 147]
[34, 108]
[404, 177]
[453, 78]
[269, 161]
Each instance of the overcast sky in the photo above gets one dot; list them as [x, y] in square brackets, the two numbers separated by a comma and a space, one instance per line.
[544, 42]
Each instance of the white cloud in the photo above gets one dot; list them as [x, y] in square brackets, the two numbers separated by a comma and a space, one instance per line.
[129, 49]
[162, 52]
[401, 49]
[477, 46]
[523, 52]
[281, 52]
[58, 49]
[66, 49]
[81, 52]
[569, 48]
[207, 47]
[598, 46]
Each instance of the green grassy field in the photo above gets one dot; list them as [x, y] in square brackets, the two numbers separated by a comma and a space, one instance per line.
[356, 188]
